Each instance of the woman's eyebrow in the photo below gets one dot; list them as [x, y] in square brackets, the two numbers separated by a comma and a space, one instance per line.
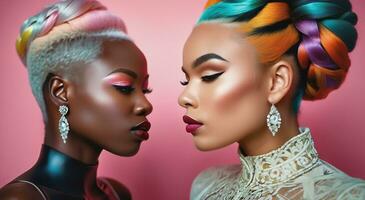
[204, 58]
[126, 71]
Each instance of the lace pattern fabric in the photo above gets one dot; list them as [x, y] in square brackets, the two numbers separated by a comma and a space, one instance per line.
[294, 171]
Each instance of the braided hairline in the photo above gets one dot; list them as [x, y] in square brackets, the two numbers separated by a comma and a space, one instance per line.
[323, 80]
[59, 55]
[45, 51]
[51, 16]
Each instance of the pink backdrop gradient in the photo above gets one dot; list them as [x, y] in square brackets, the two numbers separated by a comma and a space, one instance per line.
[166, 165]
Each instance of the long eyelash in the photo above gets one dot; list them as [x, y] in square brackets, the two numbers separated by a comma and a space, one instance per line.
[184, 83]
[147, 91]
[210, 78]
[124, 89]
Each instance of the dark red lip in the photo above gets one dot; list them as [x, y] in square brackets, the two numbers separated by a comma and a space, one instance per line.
[190, 120]
[145, 126]
[193, 125]
[141, 130]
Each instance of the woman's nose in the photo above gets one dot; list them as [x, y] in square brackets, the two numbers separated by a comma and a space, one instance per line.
[186, 99]
[143, 107]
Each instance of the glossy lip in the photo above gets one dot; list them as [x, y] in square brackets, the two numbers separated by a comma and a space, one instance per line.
[141, 130]
[193, 125]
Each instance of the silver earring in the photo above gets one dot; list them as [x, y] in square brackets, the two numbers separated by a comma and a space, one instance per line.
[63, 125]
[273, 120]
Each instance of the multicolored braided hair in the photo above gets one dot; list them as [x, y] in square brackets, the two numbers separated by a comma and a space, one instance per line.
[64, 33]
[319, 33]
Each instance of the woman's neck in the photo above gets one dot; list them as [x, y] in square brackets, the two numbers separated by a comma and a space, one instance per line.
[262, 141]
[82, 153]
[76, 147]
[60, 172]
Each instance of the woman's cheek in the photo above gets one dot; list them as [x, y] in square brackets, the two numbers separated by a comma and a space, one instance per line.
[231, 92]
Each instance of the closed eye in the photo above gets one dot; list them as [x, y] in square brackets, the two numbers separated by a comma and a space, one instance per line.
[184, 83]
[147, 91]
[210, 78]
[124, 89]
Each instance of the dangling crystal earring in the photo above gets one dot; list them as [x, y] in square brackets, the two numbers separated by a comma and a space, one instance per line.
[63, 125]
[273, 120]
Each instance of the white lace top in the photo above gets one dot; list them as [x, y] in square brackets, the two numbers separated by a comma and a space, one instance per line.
[293, 171]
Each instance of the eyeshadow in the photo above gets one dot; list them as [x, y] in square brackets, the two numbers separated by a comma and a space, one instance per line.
[118, 79]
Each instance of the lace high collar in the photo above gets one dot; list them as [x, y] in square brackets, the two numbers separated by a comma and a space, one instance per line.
[295, 157]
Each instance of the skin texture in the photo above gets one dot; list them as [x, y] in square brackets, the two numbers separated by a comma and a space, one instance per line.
[101, 116]
[102, 112]
[11, 192]
[234, 105]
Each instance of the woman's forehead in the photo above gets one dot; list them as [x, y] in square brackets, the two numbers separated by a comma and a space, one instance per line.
[221, 39]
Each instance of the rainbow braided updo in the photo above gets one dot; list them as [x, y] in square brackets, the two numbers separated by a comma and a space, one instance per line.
[64, 33]
[320, 33]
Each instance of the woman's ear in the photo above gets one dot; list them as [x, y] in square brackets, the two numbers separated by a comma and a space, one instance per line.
[58, 90]
[281, 78]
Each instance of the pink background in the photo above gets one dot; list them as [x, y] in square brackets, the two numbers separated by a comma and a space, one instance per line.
[166, 165]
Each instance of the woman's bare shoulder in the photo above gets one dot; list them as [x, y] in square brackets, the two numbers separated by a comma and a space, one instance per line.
[20, 191]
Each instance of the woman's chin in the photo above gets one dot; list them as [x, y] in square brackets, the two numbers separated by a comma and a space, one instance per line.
[125, 152]
[207, 144]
